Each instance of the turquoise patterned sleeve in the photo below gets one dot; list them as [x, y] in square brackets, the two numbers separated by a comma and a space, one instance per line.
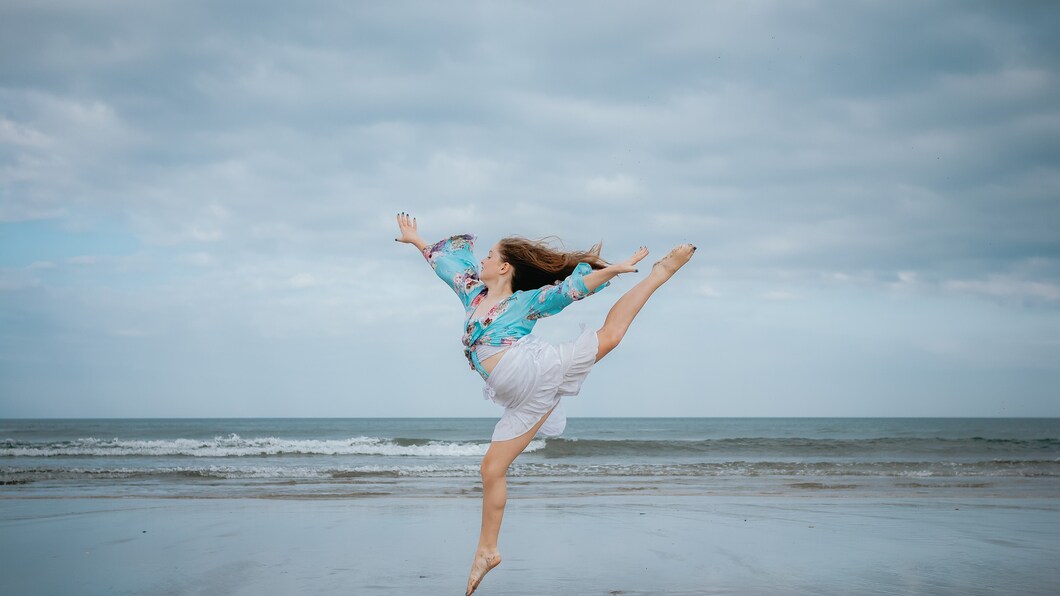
[453, 260]
[549, 300]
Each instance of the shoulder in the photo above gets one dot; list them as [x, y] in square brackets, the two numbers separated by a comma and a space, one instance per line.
[452, 244]
[459, 241]
[528, 299]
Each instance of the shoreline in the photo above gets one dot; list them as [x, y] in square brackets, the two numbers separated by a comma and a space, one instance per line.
[632, 544]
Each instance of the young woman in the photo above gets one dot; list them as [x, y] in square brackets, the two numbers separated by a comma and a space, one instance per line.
[516, 284]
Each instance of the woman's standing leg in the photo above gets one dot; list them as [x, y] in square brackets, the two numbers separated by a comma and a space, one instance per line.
[625, 310]
[494, 471]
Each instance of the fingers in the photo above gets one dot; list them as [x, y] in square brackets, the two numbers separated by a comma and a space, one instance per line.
[406, 220]
[640, 254]
[407, 226]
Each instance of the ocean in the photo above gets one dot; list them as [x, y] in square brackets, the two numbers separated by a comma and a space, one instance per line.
[439, 457]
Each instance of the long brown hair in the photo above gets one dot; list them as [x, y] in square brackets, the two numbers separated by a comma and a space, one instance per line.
[537, 264]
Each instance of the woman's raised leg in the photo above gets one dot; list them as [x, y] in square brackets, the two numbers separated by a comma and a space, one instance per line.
[625, 310]
[499, 457]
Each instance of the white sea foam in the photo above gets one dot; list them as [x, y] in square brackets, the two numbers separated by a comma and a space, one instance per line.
[276, 472]
[235, 446]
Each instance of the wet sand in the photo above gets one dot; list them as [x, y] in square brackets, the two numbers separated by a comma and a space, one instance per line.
[636, 545]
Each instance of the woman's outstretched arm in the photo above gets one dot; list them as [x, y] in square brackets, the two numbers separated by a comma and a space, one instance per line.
[409, 233]
[452, 259]
[582, 282]
[601, 276]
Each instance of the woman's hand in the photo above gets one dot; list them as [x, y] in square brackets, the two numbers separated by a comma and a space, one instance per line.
[409, 233]
[599, 276]
[630, 264]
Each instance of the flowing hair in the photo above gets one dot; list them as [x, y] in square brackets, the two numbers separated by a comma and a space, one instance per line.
[537, 264]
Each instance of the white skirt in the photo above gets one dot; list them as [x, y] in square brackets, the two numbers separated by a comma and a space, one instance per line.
[530, 379]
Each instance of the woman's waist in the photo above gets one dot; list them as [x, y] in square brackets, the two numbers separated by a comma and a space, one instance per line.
[473, 340]
[498, 331]
[488, 354]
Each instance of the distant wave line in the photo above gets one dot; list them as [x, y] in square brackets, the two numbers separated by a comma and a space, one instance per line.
[992, 468]
[748, 447]
[235, 446]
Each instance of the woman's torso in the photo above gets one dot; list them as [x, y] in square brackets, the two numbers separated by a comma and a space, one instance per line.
[491, 363]
[484, 314]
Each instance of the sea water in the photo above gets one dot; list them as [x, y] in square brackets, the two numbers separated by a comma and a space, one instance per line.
[364, 457]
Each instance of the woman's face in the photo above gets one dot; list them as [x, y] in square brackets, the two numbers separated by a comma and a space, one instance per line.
[492, 266]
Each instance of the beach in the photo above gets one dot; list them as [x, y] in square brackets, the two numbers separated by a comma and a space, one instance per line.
[556, 545]
[616, 506]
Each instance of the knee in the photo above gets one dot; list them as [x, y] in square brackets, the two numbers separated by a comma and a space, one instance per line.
[492, 470]
[607, 339]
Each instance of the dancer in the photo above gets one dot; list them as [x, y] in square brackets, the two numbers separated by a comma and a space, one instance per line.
[517, 284]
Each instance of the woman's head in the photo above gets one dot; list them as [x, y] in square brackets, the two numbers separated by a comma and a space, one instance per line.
[494, 267]
[534, 263]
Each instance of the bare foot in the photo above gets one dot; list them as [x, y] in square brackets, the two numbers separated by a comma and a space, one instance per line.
[482, 565]
[665, 267]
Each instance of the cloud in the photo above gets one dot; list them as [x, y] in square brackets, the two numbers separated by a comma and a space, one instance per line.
[708, 291]
[197, 259]
[18, 134]
[253, 161]
[619, 186]
[302, 280]
[1006, 287]
[14, 283]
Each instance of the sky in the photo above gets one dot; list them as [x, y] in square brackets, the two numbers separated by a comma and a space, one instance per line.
[197, 202]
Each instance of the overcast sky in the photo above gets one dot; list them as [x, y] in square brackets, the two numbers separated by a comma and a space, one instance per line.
[197, 202]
